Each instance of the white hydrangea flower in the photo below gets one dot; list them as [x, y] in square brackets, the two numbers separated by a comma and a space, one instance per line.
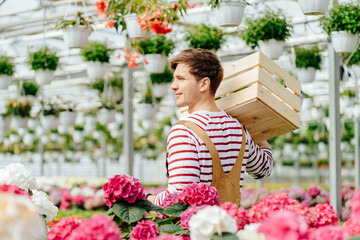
[250, 233]
[17, 174]
[44, 205]
[87, 191]
[75, 191]
[19, 219]
[210, 220]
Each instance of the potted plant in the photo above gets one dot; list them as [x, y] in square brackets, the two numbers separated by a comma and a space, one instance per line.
[44, 61]
[228, 13]
[308, 60]
[50, 115]
[342, 23]
[205, 37]
[90, 119]
[145, 109]
[161, 82]
[6, 71]
[97, 57]
[5, 120]
[354, 62]
[67, 116]
[29, 90]
[156, 51]
[314, 7]
[20, 111]
[269, 32]
[78, 135]
[106, 114]
[77, 31]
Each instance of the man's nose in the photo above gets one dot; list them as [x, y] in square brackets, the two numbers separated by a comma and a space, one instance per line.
[173, 85]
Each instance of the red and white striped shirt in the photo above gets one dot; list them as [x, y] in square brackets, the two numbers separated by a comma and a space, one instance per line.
[188, 159]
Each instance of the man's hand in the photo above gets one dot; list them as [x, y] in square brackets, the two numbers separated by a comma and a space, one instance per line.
[263, 143]
[151, 198]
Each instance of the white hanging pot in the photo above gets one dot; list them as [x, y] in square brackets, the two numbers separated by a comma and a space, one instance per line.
[230, 14]
[20, 122]
[49, 122]
[272, 48]
[96, 70]
[145, 111]
[78, 136]
[314, 7]
[90, 123]
[306, 75]
[160, 90]
[67, 119]
[156, 63]
[133, 27]
[5, 81]
[4, 124]
[31, 99]
[28, 139]
[33, 123]
[76, 37]
[106, 116]
[44, 76]
[356, 69]
[343, 41]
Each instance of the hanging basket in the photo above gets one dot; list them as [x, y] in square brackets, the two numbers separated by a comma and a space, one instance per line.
[5, 81]
[314, 7]
[145, 111]
[306, 75]
[133, 27]
[160, 90]
[4, 124]
[76, 37]
[272, 48]
[96, 70]
[44, 76]
[90, 123]
[343, 41]
[356, 69]
[156, 63]
[49, 123]
[67, 119]
[106, 116]
[20, 122]
[230, 14]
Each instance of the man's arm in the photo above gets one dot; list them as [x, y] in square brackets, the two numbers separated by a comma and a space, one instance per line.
[263, 143]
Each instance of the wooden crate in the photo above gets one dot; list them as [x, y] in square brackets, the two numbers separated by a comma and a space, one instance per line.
[250, 93]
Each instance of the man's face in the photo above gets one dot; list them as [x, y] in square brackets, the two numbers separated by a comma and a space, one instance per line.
[185, 86]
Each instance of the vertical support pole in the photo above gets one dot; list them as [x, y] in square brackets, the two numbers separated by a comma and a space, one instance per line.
[334, 133]
[128, 121]
[357, 138]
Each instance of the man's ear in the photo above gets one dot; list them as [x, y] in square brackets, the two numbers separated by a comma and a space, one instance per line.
[204, 84]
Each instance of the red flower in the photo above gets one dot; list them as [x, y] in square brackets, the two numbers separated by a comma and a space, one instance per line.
[13, 189]
[101, 7]
[110, 24]
[145, 229]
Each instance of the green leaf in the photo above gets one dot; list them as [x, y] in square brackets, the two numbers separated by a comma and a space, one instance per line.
[175, 210]
[183, 232]
[355, 238]
[225, 236]
[110, 211]
[169, 228]
[152, 207]
[128, 212]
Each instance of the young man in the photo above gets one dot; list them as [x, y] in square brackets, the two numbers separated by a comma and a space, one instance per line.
[197, 75]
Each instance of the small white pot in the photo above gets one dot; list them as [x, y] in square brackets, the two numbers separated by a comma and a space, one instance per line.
[96, 70]
[90, 123]
[49, 122]
[28, 139]
[76, 37]
[44, 76]
[356, 70]
[272, 48]
[4, 124]
[31, 99]
[78, 136]
[156, 63]
[343, 41]
[160, 90]
[306, 75]
[67, 119]
[314, 7]
[20, 122]
[33, 123]
[145, 111]
[133, 28]
[230, 14]
[106, 116]
[5, 81]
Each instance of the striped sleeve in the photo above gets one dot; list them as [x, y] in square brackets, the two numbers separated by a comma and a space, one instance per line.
[182, 161]
[260, 161]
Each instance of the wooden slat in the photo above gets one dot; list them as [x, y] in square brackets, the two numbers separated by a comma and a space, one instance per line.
[273, 68]
[279, 107]
[279, 90]
[241, 65]
[273, 132]
[238, 82]
[264, 124]
[256, 115]
[245, 108]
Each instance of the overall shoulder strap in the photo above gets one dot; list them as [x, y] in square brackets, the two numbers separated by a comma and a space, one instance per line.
[236, 169]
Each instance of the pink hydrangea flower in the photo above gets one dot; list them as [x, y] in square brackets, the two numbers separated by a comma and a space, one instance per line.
[65, 195]
[274, 202]
[123, 188]
[314, 191]
[167, 237]
[63, 229]
[329, 232]
[145, 229]
[310, 218]
[13, 189]
[98, 227]
[78, 199]
[284, 225]
[325, 215]
[239, 214]
[171, 199]
[197, 194]
[355, 204]
[187, 214]
[352, 225]
[64, 205]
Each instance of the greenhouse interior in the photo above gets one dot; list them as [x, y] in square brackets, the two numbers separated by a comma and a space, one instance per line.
[89, 110]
